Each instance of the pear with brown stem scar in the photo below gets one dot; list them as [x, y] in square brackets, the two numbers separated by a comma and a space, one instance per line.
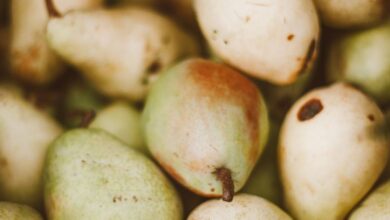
[206, 125]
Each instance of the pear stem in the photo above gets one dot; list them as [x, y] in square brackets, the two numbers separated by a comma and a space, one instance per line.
[87, 117]
[224, 175]
[52, 10]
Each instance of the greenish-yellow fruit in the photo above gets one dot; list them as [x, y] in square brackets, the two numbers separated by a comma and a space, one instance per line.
[124, 122]
[329, 157]
[25, 134]
[362, 58]
[243, 207]
[207, 125]
[31, 58]
[264, 180]
[351, 14]
[376, 206]
[13, 211]
[120, 51]
[90, 174]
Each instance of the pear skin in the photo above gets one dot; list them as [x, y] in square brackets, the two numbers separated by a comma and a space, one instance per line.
[31, 59]
[25, 135]
[13, 211]
[90, 174]
[243, 207]
[328, 156]
[206, 125]
[120, 51]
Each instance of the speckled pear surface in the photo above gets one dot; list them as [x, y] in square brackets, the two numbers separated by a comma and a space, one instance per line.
[92, 175]
[201, 117]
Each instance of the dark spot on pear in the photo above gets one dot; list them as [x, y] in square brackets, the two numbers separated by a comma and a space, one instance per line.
[310, 110]
[290, 37]
[371, 117]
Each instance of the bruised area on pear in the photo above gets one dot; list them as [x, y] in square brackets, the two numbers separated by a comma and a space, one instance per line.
[206, 125]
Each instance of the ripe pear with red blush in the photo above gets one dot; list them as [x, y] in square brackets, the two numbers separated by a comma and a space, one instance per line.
[207, 125]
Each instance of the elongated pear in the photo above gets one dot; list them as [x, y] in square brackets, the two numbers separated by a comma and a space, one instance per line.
[31, 59]
[362, 58]
[207, 126]
[271, 40]
[124, 122]
[344, 14]
[13, 211]
[243, 207]
[376, 206]
[90, 174]
[329, 157]
[25, 134]
[120, 51]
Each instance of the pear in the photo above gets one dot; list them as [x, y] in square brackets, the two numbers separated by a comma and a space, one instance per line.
[90, 174]
[207, 126]
[328, 156]
[376, 206]
[124, 122]
[344, 14]
[243, 207]
[79, 99]
[264, 180]
[31, 59]
[271, 40]
[13, 211]
[362, 58]
[25, 134]
[120, 51]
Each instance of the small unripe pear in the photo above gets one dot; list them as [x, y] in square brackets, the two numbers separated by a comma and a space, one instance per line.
[13, 211]
[31, 58]
[25, 134]
[329, 157]
[90, 174]
[271, 40]
[124, 122]
[351, 14]
[362, 58]
[376, 206]
[264, 180]
[243, 207]
[120, 51]
[206, 125]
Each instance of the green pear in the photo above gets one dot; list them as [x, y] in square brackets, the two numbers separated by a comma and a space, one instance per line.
[264, 180]
[362, 58]
[344, 14]
[124, 122]
[13, 211]
[376, 206]
[328, 156]
[207, 126]
[31, 58]
[90, 174]
[25, 134]
[120, 51]
[79, 99]
[243, 207]
[271, 40]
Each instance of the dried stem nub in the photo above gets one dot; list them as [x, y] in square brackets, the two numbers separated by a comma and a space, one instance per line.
[87, 117]
[224, 175]
[51, 9]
